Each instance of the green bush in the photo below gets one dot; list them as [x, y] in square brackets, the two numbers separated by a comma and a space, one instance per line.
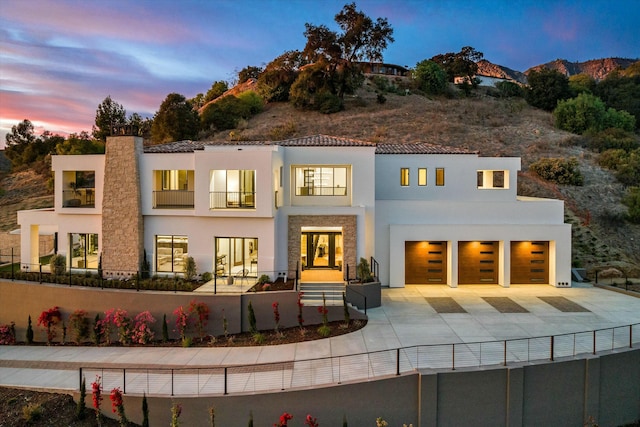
[625, 164]
[430, 77]
[328, 103]
[509, 90]
[612, 138]
[632, 201]
[253, 101]
[588, 112]
[560, 171]
[190, 270]
[58, 265]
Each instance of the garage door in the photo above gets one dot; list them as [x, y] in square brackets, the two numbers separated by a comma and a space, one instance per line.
[478, 262]
[425, 263]
[529, 262]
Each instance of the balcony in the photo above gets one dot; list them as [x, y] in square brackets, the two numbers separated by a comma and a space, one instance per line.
[231, 200]
[173, 199]
[79, 198]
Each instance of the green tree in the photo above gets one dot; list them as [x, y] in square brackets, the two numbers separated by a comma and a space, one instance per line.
[581, 83]
[217, 89]
[509, 89]
[24, 148]
[80, 143]
[560, 171]
[621, 92]
[142, 124]
[632, 201]
[176, 120]
[460, 64]
[108, 115]
[224, 114]
[546, 88]
[430, 77]
[274, 83]
[248, 72]
[588, 112]
[361, 39]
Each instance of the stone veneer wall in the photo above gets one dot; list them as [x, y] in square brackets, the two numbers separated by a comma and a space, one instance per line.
[349, 228]
[122, 223]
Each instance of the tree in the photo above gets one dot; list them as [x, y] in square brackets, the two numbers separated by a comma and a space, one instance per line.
[25, 148]
[81, 143]
[430, 77]
[224, 114]
[461, 64]
[361, 39]
[248, 72]
[176, 120]
[621, 92]
[546, 88]
[580, 83]
[108, 115]
[274, 83]
[142, 124]
[217, 89]
[588, 112]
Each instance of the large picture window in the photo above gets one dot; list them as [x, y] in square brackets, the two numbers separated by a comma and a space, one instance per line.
[321, 181]
[83, 250]
[232, 189]
[171, 253]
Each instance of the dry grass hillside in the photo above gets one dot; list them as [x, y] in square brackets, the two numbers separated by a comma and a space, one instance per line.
[494, 127]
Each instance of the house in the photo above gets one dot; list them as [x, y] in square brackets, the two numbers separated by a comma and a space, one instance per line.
[427, 214]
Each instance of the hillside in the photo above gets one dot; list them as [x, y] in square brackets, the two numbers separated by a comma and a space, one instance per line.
[596, 68]
[494, 127]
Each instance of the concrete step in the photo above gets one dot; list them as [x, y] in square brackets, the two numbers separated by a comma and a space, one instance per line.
[313, 291]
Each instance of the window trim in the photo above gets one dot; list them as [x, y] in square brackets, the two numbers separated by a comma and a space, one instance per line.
[405, 178]
[440, 177]
[422, 177]
[309, 187]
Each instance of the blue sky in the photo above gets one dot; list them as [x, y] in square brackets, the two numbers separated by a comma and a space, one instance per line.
[60, 58]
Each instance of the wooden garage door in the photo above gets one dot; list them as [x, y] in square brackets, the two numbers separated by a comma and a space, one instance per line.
[478, 262]
[529, 262]
[425, 263]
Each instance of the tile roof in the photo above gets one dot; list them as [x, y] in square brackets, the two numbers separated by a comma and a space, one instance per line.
[313, 141]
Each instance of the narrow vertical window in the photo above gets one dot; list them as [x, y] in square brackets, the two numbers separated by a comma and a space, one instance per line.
[440, 177]
[404, 177]
[422, 176]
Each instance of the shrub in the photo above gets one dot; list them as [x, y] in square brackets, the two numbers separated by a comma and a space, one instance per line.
[381, 99]
[612, 138]
[117, 406]
[145, 410]
[81, 406]
[509, 90]
[142, 333]
[263, 279]
[32, 412]
[190, 268]
[96, 332]
[632, 201]
[430, 77]
[165, 329]
[182, 321]
[49, 319]
[96, 397]
[29, 332]
[207, 276]
[58, 265]
[252, 319]
[253, 101]
[119, 319]
[79, 323]
[364, 272]
[324, 330]
[7, 334]
[560, 171]
[328, 103]
[200, 311]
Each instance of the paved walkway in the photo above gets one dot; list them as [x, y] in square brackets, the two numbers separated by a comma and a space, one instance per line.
[414, 315]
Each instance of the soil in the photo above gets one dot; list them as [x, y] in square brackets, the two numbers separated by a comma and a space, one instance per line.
[39, 409]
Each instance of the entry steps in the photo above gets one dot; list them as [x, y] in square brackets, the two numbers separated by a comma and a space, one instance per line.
[312, 293]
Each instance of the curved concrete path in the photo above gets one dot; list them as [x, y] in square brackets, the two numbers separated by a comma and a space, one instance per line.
[405, 319]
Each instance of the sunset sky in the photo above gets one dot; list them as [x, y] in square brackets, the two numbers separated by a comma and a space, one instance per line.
[60, 58]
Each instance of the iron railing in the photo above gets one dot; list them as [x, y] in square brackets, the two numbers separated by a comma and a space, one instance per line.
[173, 199]
[311, 373]
[232, 200]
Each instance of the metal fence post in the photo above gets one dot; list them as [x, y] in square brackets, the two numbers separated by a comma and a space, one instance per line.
[80, 386]
[504, 360]
[453, 357]
[172, 382]
[124, 380]
[40, 274]
[630, 336]
[552, 343]
[225, 381]
[594, 342]
[397, 361]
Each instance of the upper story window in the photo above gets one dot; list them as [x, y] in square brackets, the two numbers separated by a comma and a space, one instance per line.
[422, 177]
[321, 180]
[404, 177]
[78, 189]
[173, 189]
[439, 177]
[493, 179]
[232, 188]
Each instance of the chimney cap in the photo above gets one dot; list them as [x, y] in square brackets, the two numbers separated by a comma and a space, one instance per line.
[124, 130]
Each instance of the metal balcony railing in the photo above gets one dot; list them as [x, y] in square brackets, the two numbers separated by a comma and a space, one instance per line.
[173, 199]
[232, 200]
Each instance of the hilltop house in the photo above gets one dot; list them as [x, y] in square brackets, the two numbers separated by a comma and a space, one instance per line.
[427, 214]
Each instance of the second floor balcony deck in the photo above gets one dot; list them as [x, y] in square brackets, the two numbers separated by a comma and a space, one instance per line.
[232, 200]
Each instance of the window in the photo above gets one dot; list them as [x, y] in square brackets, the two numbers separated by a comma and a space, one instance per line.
[439, 177]
[488, 179]
[234, 188]
[404, 177]
[422, 177]
[173, 189]
[79, 189]
[171, 253]
[321, 181]
[236, 256]
[83, 250]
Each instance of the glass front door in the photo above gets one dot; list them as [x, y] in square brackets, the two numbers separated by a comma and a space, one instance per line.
[321, 250]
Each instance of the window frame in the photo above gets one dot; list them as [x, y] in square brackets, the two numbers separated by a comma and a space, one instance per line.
[405, 177]
[422, 177]
[440, 181]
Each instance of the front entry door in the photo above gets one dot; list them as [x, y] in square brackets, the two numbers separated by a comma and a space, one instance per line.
[321, 250]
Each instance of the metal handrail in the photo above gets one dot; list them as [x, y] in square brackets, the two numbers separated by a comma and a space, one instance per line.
[310, 373]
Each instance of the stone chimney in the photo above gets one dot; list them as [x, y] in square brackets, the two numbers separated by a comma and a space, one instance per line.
[122, 222]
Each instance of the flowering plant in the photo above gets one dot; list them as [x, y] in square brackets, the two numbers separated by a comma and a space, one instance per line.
[123, 323]
[79, 323]
[310, 421]
[201, 312]
[276, 314]
[284, 418]
[300, 305]
[142, 333]
[182, 321]
[117, 405]
[8, 334]
[49, 319]
[96, 392]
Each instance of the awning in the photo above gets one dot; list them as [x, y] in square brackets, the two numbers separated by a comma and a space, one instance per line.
[45, 230]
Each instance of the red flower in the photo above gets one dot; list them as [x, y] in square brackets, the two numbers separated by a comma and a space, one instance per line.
[284, 418]
[310, 421]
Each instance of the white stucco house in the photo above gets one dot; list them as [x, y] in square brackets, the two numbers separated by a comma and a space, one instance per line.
[427, 214]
